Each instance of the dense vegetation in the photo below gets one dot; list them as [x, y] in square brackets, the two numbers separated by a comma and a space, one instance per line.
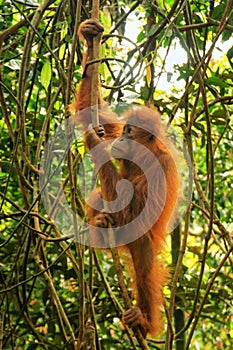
[176, 56]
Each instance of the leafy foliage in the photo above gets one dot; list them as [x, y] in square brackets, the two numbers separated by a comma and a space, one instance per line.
[176, 56]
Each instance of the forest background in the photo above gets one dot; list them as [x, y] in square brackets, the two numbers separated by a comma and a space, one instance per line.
[176, 56]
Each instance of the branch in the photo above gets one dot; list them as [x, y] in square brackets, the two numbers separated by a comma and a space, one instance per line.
[95, 69]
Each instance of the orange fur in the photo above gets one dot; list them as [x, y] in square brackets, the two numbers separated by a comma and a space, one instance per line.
[150, 272]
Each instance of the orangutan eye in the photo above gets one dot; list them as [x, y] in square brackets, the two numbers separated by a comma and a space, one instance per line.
[129, 130]
[151, 138]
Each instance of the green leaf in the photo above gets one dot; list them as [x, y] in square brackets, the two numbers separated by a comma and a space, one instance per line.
[216, 82]
[144, 93]
[218, 11]
[226, 35]
[62, 50]
[153, 29]
[46, 74]
[218, 117]
[141, 36]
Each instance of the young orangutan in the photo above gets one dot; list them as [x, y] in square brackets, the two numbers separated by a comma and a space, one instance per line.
[146, 159]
